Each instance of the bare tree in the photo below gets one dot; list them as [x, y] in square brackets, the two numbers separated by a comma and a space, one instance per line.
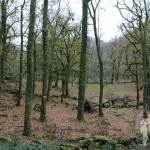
[21, 56]
[136, 31]
[93, 14]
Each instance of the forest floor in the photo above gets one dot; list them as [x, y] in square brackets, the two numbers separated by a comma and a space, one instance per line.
[61, 118]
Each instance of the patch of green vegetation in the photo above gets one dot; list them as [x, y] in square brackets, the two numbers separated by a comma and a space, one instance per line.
[105, 121]
[92, 87]
[127, 140]
[120, 115]
[70, 147]
[73, 97]
[37, 107]
[5, 139]
[41, 136]
[99, 138]
[66, 104]
[53, 101]
[15, 117]
[38, 136]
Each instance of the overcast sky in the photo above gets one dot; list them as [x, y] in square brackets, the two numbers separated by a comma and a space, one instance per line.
[109, 18]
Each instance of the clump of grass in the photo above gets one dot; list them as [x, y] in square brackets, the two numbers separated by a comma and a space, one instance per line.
[15, 117]
[120, 115]
[105, 121]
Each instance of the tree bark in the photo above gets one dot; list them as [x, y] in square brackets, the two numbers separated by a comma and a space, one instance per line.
[82, 74]
[29, 84]
[45, 65]
[4, 36]
[63, 88]
[50, 74]
[99, 54]
[34, 65]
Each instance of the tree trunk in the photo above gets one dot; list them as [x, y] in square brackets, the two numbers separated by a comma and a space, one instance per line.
[112, 76]
[82, 74]
[29, 84]
[4, 36]
[99, 54]
[137, 85]
[63, 88]
[35, 65]
[145, 69]
[67, 75]
[51, 65]
[21, 57]
[45, 74]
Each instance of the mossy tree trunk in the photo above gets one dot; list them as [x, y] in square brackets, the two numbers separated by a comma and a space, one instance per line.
[0, 53]
[82, 74]
[50, 74]
[4, 36]
[29, 84]
[21, 57]
[45, 65]
[35, 64]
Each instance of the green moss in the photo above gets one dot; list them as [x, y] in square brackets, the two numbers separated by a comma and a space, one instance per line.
[66, 104]
[5, 139]
[41, 136]
[127, 119]
[72, 146]
[105, 121]
[104, 139]
[127, 141]
[15, 117]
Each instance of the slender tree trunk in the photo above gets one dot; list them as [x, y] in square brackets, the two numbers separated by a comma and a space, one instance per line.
[35, 65]
[67, 75]
[100, 68]
[63, 88]
[56, 81]
[0, 54]
[21, 57]
[137, 85]
[137, 92]
[57, 77]
[82, 74]
[51, 65]
[145, 69]
[112, 76]
[45, 74]
[29, 84]
[4, 36]
[148, 80]
[99, 54]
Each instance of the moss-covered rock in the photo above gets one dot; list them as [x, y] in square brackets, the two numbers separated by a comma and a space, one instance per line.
[104, 139]
[70, 147]
[127, 140]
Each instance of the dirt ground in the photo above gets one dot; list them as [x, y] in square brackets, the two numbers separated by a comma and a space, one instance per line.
[61, 118]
